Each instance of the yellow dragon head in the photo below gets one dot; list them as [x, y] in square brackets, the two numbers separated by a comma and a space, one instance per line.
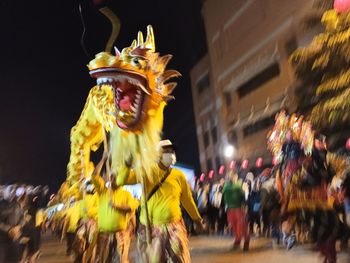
[132, 90]
[128, 101]
[138, 79]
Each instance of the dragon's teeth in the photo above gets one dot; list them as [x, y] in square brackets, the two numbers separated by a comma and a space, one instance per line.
[133, 109]
[145, 90]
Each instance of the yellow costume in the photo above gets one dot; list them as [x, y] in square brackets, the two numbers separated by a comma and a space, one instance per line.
[109, 219]
[90, 206]
[73, 215]
[164, 205]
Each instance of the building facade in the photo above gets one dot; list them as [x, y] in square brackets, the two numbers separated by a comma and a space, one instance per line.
[246, 72]
[205, 115]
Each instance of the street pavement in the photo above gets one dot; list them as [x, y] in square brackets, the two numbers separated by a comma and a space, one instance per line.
[218, 250]
[214, 249]
[52, 251]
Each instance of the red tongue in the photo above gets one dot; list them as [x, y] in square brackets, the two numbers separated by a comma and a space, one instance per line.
[125, 103]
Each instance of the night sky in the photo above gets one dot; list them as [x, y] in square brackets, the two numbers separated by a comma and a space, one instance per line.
[45, 81]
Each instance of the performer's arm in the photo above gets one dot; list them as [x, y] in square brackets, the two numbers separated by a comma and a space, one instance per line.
[120, 208]
[131, 205]
[187, 199]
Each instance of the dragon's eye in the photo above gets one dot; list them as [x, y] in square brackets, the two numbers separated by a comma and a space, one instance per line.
[138, 62]
[135, 62]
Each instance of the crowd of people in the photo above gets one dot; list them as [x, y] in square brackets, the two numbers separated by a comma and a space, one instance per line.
[21, 218]
[243, 204]
[101, 218]
[260, 203]
[240, 204]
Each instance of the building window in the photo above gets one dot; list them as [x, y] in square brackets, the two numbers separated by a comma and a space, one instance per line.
[214, 135]
[259, 125]
[291, 45]
[209, 165]
[203, 83]
[258, 80]
[228, 99]
[206, 139]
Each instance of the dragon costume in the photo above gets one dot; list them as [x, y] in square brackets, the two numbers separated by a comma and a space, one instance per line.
[128, 102]
[304, 172]
[303, 177]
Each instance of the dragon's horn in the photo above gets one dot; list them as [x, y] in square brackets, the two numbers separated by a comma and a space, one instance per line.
[133, 44]
[150, 39]
[168, 74]
[117, 52]
[139, 39]
[170, 87]
[115, 26]
[164, 60]
[168, 98]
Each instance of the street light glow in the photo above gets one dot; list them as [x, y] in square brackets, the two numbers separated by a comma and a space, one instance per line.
[229, 151]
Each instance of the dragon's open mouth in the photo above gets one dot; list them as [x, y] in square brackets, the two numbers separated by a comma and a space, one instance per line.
[130, 90]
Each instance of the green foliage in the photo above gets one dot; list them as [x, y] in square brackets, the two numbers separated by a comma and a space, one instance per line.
[324, 69]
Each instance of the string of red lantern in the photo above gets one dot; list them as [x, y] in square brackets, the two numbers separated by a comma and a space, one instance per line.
[347, 144]
[211, 174]
[341, 6]
[245, 164]
[202, 177]
[221, 169]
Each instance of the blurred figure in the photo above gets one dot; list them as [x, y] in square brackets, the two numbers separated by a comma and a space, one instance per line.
[37, 200]
[270, 204]
[218, 202]
[70, 225]
[203, 204]
[114, 208]
[213, 211]
[234, 199]
[11, 220]
[215, 206]
[254, 206]
[346, 186]
[124, 237]
[28, 240]
[337, 193]
[169, 240]
[90, 210]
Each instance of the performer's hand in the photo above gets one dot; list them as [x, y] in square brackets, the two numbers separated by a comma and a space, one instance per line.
[121, 209]
[199, 227]
[15, 233]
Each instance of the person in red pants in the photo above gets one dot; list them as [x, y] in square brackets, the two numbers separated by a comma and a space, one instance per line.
[234, 199]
